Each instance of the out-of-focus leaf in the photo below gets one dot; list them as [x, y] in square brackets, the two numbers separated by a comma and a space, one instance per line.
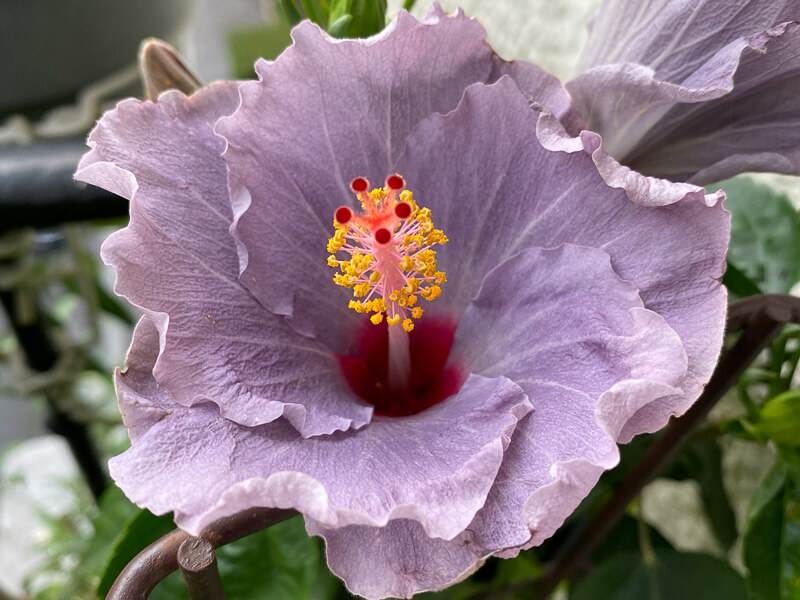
[624, 539]
[780, 418]
[368, 18]
[290, 11]
[671, 575]
[739, 284]
[89, 549]
[765, 234]
[519, 572]
[250, 43]
[771, 546]
[140, 531]
[701, 460]
[107, 303]
[278, 563]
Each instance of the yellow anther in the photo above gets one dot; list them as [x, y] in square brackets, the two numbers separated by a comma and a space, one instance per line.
[431, 293]
[344, 281]
[368, 276]
[357, 306]
[407, 264]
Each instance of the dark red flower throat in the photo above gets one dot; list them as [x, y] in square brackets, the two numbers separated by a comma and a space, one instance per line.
[431, 379]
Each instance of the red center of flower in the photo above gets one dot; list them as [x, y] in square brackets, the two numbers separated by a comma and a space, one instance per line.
[430, 380]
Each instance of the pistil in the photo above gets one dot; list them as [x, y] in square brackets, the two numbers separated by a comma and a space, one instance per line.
[392, 264]
[398, 371]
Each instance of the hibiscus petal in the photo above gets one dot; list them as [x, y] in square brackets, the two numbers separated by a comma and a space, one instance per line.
[141, 401]
[177, 261]
[435, 467]
[398, 560]
[735, 112]
[588, 365]
[508, 192]
[327, 111]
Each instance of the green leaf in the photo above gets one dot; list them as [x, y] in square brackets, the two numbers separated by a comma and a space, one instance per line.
[701, 460]
[771, 546]
[624, 539]
[368, 17]
[738, 283]
[278, 563]
[250, 43]
[779, 418]
[139, 532]
[671, 576]
[765, 234]
[339, 27]
[290, 11]
[496, 574]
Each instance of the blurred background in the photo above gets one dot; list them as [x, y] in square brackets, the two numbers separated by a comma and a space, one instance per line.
[62, 331]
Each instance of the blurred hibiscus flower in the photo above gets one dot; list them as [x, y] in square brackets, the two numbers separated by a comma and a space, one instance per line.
[691, 90]
[573, 316]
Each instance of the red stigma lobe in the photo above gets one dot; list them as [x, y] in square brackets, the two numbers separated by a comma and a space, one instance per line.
[395, 182]
[402, 210]
[343, 215]
[383, 236]
[359, 185]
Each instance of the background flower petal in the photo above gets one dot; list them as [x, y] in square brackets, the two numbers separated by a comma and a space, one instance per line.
[178, 262]
[563, 325]
[327, 111]
[755, 127]
[737, 111]
[676, 37]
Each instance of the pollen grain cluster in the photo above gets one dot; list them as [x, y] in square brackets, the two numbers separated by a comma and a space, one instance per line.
[391, 260]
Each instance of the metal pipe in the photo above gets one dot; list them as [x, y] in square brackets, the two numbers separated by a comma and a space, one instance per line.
[198, 565]
[160, 558]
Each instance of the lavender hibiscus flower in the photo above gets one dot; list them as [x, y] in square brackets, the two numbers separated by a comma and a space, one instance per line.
[692, 90]
[504, 317]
